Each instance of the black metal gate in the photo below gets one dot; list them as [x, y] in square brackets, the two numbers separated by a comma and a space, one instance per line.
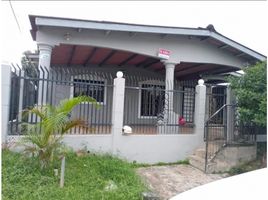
[216, 98]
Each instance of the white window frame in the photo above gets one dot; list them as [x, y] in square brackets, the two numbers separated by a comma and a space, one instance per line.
[152, 82]
[91, 78]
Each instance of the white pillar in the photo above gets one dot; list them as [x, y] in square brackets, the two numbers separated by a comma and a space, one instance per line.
[170, 117]
[5, 99]
[200, 108]
[170, 67]
[44, 55]
[118, 110]
[44, 63]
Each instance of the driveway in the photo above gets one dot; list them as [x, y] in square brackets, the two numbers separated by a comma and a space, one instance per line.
[167, 181]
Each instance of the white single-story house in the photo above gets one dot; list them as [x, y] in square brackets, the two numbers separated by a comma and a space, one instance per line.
[162, 100]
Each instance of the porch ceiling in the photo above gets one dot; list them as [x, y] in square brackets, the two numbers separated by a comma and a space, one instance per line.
[87, 56]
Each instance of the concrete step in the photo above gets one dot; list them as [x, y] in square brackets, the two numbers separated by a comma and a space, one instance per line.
[201, 152]
[197, 162]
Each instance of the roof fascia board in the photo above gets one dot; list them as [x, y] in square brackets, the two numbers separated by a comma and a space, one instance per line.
[117, 27]
[43, 21]
[237, 46]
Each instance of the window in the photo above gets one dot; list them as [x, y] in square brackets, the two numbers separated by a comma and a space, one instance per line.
[92, 88]
[152, 100]
[188, 103]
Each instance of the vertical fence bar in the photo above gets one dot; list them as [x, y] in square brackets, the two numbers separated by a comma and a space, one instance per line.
[11, 104]
[18, 95]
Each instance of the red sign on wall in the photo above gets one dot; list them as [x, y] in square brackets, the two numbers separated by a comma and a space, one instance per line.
[164, 53]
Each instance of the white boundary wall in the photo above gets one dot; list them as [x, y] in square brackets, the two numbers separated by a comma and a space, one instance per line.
[5, 93]
[141, 148]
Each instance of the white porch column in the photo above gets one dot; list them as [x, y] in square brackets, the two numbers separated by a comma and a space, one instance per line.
[170, 67]
[44, 63]
[170, 122]
[44, 55]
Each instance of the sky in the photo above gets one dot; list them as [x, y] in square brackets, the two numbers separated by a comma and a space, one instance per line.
[242, 21]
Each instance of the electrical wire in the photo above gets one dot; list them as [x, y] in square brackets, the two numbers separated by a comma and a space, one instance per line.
[14, 16]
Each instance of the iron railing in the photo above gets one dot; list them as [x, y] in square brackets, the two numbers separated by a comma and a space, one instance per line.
[215, 134]
[216, 98]
[227, 131]
[50, 86]
[148, 106]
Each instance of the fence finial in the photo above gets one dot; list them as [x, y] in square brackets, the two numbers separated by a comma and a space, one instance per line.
[200, 82]
[119, 74]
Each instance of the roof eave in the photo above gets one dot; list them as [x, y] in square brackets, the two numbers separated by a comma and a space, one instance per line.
[108, 26]
[118, 27]
[238, 46]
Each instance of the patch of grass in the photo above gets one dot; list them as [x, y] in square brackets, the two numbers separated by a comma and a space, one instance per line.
[261, 149]
[85, 178]
[180, 162]
[250, 166]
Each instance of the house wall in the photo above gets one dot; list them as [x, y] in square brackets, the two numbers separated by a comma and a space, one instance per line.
[132, 100]
[183, 48]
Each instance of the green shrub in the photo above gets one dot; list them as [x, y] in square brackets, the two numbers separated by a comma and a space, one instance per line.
[43, 139]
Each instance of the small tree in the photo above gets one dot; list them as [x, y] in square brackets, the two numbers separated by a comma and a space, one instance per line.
[43, 139]
[250, 90]
[29, 66]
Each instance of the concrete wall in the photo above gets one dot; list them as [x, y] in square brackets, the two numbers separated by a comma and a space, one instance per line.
[262, 138]
[5, 98]
[140, 148]
[182, 48]
[158, 148]
[232, 156]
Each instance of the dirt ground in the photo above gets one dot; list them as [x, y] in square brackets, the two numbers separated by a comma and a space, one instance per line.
[168, 181]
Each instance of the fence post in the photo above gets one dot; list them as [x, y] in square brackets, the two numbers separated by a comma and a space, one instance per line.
[117, 110]
[200, 108]
[5, 95]
[21, 94]
[230, 100]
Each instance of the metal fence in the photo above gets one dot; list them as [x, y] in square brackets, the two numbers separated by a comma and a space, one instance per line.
[216, 98]
[43, 86]
[148, 106]
[230, 131]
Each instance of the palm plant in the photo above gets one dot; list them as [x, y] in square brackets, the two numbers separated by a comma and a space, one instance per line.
[43, 139]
